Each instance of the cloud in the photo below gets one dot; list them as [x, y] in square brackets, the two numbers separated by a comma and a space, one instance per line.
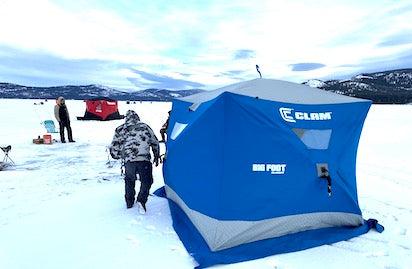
[148, 80]
[85, 32]
[306, 66]
[232, 73]
[401, 38]
[39, 68]
[400, 9]
[244, 54]
[181, 42]
[397, 60]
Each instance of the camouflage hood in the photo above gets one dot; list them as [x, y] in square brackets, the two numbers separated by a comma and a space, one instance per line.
[131, 118]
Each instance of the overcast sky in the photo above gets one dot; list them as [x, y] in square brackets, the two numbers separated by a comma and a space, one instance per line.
[135, 44]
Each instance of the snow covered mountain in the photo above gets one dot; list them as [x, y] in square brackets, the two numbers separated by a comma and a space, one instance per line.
[13, 91]
[393, 86]
[388, 87]
[315, 83]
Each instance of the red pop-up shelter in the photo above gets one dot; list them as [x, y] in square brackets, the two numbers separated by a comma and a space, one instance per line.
[101, 109]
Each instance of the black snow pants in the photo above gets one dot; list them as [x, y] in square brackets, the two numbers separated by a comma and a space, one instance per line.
[144, 169]
[62, 125]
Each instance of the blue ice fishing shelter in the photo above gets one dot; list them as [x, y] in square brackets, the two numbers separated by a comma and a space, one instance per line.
[263, 167]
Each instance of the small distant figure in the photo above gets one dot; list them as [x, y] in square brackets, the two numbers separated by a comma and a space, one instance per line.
[132, 142]
[163, 130]
[62, 116]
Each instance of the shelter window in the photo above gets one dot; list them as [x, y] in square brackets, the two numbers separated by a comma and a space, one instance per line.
[314, 138]
[177, 129]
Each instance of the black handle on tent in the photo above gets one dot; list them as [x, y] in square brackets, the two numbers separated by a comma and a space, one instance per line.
[324, 173]
[328, 178]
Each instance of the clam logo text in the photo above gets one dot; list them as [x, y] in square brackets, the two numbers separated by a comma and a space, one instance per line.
[290, 115]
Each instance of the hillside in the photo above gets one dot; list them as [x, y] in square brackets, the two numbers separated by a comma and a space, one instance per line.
[389, 87]
[13, 91]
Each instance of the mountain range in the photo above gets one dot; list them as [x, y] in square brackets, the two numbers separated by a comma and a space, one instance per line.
[13, 91]
[388, 87]
[394, 86]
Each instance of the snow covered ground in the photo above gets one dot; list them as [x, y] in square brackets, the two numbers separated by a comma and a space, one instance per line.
[61, 206]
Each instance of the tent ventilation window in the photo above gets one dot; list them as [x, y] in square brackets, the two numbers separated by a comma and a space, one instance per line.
[177, 129]
[314, 138]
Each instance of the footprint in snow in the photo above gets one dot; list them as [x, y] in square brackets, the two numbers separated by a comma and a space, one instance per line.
[150, 228]
[133, 222]
[401, 231]
[179, 249]
[404, 247]
[392, 217]
[376, 254]
[169, 231]
[132, 238]
[275, 264]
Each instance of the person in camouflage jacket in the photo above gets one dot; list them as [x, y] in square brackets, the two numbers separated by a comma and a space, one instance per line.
[132, 142]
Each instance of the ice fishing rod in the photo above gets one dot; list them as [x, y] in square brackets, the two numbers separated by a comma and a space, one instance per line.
[110, 162]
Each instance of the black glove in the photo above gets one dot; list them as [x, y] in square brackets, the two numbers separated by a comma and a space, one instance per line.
[156, 161]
